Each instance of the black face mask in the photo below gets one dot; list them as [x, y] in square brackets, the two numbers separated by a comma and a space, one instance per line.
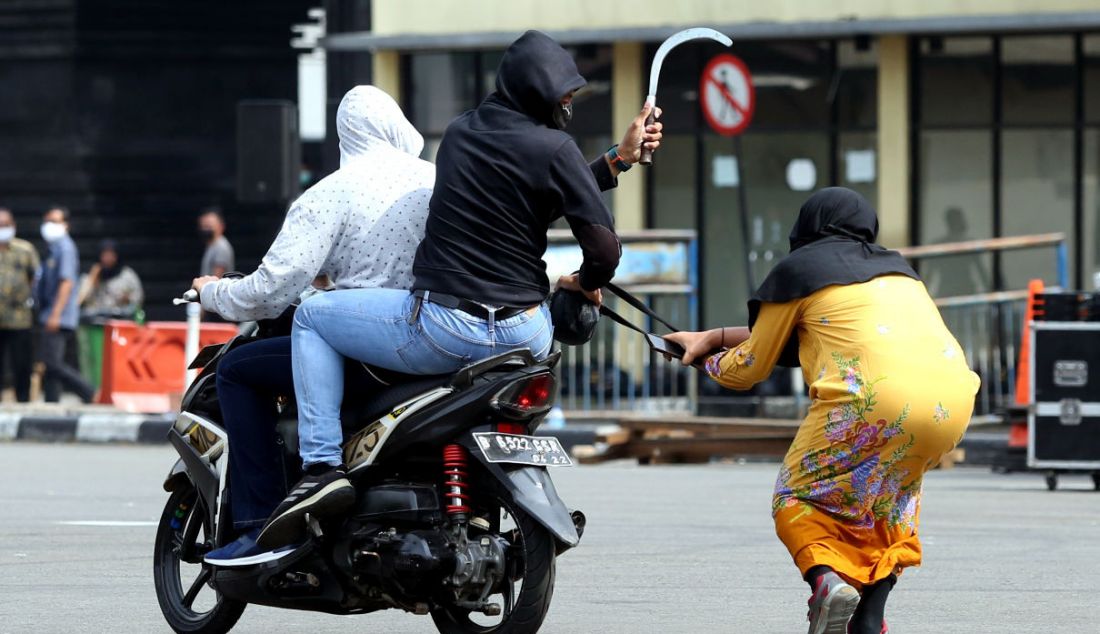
[562, 115]
[206, 234]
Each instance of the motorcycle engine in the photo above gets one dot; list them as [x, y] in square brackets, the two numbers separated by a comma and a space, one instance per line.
[403, 548]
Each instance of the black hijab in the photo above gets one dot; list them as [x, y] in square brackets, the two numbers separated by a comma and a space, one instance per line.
[832, 243]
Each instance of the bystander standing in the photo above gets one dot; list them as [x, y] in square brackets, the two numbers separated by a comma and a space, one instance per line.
[110, 289]
[58, 308]
[18, 268]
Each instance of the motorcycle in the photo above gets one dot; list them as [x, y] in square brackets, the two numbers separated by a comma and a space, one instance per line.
[455, 516]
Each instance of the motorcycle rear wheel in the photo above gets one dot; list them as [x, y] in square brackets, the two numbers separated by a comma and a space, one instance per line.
[527, 611]
[184, 535]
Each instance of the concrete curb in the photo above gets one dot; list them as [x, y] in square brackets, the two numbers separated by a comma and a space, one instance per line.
[97, 427]
[121, 427]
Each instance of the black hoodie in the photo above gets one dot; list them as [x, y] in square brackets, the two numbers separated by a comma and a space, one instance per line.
[503, 175]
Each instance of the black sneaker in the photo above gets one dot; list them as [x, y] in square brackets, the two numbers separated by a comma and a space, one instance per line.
[322, 495]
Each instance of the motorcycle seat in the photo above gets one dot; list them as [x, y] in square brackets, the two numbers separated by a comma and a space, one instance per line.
[372, 392]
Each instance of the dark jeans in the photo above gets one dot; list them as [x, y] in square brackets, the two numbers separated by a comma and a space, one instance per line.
[58, 372]
[249, 380]
[16, 344]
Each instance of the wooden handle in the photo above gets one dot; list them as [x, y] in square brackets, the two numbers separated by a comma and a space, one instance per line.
[647, 155]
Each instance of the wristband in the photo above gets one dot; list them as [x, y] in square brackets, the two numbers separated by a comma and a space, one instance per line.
[616, 160]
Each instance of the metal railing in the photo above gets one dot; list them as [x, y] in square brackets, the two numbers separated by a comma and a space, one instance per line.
[616, 370]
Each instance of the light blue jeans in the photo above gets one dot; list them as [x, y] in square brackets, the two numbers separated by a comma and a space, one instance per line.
[372, 325]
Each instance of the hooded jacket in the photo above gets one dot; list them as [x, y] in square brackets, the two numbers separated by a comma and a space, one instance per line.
[504, 174]
[360, 225]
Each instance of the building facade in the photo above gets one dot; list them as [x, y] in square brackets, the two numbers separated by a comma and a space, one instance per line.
[957, 121]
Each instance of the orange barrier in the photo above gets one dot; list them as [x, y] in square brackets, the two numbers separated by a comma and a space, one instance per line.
[143, 366]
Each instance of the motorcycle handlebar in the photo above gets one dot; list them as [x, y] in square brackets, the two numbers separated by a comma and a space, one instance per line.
[191, 296]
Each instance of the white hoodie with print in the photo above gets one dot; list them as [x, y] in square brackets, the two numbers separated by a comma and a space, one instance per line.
[360, 225]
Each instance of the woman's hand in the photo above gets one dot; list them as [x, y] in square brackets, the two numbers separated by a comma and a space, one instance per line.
[697, 344]
[573, 283]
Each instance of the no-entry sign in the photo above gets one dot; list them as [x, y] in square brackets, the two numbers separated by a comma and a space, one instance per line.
[726, 95]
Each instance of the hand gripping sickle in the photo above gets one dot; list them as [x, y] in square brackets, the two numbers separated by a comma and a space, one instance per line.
[698, 33]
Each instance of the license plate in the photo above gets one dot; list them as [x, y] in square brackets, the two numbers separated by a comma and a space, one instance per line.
[541, 451]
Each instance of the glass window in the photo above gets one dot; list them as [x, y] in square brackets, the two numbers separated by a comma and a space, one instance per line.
[1091, 191]
[443, 86]
[857, 163]
[792, 82]
[678, 96]
[1091, 62]
[857, 84]
[1036, 197]
[956, 80]
[1037, 79]
[674, 183]
[956, 203]
[763, 170]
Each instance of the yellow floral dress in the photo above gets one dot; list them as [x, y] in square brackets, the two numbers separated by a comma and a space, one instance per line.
[891, 394]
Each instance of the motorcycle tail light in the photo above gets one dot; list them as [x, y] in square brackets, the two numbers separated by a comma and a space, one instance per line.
[511, 428]
[526, 397]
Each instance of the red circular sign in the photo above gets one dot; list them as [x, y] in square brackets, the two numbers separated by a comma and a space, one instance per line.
[726, 94]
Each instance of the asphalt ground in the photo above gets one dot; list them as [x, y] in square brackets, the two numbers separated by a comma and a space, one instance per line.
[668, 549]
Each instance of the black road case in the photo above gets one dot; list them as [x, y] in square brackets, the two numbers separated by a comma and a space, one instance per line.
[1064, 418]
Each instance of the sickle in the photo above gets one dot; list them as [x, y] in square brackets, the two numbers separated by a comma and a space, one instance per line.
[697, 33]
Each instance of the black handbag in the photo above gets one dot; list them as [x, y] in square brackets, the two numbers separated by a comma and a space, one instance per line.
[574, 317]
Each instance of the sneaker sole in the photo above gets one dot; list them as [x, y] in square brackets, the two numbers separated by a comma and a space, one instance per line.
[836, 611]
[335, 498]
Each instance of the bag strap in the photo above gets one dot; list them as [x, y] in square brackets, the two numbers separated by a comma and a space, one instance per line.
[636, 303]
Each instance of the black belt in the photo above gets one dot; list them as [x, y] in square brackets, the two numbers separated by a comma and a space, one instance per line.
[465, 305]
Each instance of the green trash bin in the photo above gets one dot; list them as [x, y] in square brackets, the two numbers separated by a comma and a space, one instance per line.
[89, 341]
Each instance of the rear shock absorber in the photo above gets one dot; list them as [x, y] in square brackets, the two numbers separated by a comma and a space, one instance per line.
[456, 482]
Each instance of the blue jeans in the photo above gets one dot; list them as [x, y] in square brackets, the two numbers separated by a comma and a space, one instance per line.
[372, 325]
[249, 380]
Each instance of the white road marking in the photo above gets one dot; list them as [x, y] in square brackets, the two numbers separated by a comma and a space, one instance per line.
[108, 523]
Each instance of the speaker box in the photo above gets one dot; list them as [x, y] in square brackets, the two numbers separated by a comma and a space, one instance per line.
[269, 152]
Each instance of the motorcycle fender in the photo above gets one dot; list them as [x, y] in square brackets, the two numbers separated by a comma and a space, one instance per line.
[533, 491]
[176, 477]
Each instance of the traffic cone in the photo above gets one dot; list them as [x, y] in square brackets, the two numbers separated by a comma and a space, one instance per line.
[1033, 309]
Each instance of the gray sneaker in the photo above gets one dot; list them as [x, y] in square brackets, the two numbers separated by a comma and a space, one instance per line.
[832, 605]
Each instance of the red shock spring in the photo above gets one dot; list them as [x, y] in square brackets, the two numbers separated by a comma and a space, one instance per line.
[455, 460]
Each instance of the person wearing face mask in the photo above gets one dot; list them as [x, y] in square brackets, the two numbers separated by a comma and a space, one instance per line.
[59, 309]
[504, 172]
[110, 289]
[217, 259]
[18, 268]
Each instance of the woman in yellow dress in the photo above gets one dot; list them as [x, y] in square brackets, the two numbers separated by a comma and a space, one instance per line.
[890, 394]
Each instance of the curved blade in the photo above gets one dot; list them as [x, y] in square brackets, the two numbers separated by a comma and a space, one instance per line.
[697, 33]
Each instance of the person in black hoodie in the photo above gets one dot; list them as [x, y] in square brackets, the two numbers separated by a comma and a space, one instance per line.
[505, 171]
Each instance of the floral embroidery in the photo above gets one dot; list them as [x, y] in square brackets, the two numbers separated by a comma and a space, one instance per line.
[883, 329]
[713, 364]
[824, 321]
[850, 478]
[749, 360]
[949, 352]
[941, 413]
[852, 379]
[821, 374]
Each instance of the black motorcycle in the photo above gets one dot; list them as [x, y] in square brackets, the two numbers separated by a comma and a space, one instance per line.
[455, 515]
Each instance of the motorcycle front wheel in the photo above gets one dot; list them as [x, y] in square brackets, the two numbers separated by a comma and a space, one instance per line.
[188, 601]
[533, 565]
